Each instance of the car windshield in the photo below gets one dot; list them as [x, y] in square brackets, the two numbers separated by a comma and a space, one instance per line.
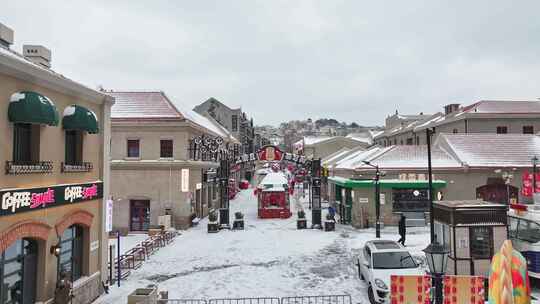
[393, 260]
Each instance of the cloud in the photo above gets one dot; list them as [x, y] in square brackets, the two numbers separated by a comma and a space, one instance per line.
[280, 60]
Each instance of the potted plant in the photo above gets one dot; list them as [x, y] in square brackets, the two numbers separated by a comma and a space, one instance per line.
[329, 223]
[238, 223]
[213, 225]
[301, 222]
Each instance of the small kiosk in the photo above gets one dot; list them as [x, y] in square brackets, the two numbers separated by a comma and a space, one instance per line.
[273, 196]
[473, 230]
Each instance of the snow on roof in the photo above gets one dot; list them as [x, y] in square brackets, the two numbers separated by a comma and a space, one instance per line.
[334, 156]
[274, 178]
[411, 157]
[9, 54]
[311, 140]
[355, 159]
[492, 150]
[362, 137]
[205, 123]
[143, 105]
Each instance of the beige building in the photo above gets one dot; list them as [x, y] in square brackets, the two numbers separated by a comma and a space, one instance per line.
[486, 116]
[54, 139]
[152, 173]
[465, 167]
[324, 146]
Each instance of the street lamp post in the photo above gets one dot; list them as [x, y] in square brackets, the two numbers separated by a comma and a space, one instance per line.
[437, 258]
[377, 198]
[430, 132]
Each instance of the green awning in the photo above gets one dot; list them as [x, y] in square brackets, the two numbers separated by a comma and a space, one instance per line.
[32, 107]
[80, 118]
[386, 183]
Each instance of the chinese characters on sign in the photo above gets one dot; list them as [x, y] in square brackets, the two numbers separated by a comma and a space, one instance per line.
[527, 179]
[185, 180]
[21, 200]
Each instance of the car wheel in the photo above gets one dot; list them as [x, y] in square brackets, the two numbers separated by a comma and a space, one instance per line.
[371, 296]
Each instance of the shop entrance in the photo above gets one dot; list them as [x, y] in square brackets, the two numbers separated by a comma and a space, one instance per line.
[18, 268]
[139, 215]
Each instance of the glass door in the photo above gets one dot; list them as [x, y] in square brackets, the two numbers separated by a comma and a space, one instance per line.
[139, 215]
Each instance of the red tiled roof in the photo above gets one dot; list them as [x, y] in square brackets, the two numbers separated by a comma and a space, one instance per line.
[143, 105]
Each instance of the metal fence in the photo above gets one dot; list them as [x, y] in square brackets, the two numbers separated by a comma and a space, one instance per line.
[328, 299]
[182, 301]
[263, 300]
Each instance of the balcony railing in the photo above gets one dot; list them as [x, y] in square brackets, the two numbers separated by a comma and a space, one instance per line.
[77, 167]
[17, 167]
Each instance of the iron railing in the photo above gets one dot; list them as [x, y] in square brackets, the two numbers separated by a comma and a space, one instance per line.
[325, 299]
[18, 167]
[262, 300]
[78, 167]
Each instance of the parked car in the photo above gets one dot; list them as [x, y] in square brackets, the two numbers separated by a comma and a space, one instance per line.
[378, 261]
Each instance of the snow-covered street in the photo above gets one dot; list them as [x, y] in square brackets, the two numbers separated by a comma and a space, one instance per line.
[269, 258]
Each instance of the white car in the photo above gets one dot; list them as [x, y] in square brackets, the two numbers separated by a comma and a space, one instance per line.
[378, 261]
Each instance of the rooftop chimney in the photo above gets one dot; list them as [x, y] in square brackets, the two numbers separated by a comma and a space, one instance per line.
[6, 36]
[38, 54]
[453, 107]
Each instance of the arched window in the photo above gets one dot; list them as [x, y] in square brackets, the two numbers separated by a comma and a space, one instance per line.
[18, 268]
[71, 253]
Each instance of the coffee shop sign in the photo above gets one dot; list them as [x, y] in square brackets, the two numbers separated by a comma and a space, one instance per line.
[15, 201]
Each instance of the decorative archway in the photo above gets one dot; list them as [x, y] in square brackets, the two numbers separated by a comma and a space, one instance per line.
[81, 217]
[26, 229]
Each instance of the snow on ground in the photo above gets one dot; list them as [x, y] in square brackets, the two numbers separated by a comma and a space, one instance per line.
[270, 258]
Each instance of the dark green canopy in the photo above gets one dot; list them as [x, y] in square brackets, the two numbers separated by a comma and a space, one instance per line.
[80, 118]
[32, 107]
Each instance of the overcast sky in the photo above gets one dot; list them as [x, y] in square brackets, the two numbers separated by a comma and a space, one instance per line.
[283, 60]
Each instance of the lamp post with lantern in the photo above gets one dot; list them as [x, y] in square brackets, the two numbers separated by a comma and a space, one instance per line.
[436, 253]
[437, 259]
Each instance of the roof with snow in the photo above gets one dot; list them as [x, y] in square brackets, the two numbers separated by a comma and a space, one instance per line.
[207, 123]
[483, 108]
[398, 157]
[330, 159]
[313, 140]
[354, 160]
[15, 60]
[491, 150]
[144, 105]
[363, 137]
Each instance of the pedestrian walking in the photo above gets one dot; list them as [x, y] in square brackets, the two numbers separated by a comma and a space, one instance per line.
[332, 212]
[402, 229]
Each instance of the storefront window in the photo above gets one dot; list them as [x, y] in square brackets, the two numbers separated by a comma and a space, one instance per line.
[71, 253]
[481, 245]
[18, 267]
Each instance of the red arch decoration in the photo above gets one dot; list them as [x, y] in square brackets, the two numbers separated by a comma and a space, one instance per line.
[80, 217]
[24, 229]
